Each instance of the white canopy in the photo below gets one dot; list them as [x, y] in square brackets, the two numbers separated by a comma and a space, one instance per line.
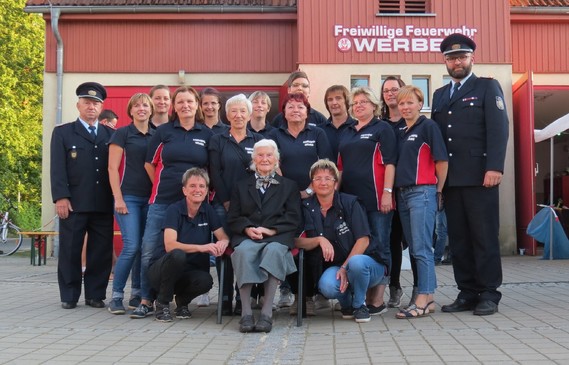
[558, 126]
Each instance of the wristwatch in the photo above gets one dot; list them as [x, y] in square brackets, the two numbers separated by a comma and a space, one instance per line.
[388, 190]
[309, 191]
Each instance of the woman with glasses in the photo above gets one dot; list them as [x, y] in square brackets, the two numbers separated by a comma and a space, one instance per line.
[367, 158]
[336, 227]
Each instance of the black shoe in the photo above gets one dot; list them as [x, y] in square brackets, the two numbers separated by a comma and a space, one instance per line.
[264, 324]
[95, 303]
[446, 262]
[459, 305]
[485, 308]
[438, 262]
[247, 324]
[226, 308]
[68, 305]
[237, 310]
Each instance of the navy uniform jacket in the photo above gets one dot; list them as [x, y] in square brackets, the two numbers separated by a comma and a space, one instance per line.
[79, 168]
[474, 124]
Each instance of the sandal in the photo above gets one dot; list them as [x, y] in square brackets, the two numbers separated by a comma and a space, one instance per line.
[431, 306]
[413, 312]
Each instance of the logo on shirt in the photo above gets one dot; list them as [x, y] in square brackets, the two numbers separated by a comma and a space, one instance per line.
[203, 224]
[199, 142]
[366, 136]
[309, 143]
[249, 150]
[343, 228]
[412, 137]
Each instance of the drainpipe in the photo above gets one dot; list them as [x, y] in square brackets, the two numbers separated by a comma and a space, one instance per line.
[55, 13]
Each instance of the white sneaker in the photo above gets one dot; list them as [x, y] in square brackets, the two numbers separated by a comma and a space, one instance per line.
[286, 299]
[337, 307]
[320, 302]
[203, 300]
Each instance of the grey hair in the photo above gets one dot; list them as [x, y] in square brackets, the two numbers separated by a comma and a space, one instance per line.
[265, 143]
[370, 95]
[238, 99]
[195, 171]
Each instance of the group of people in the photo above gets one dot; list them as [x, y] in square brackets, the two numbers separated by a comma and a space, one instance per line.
[185, 187]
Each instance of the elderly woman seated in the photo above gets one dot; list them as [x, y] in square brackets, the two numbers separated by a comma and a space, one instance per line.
[263, 218]
[336, 228]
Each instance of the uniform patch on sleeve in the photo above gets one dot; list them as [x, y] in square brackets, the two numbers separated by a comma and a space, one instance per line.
[500, 102]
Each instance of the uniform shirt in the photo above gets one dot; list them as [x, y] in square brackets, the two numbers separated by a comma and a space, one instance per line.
[474, 123]
[133, 177]
[315, 118]
[195, 231]
[298, 154]
[333, 133]
[344, 224]
[264, 132]
[219, 128]
[229, 162]
[173, 150]
[79, 168]
[419, 147]
[362, 158]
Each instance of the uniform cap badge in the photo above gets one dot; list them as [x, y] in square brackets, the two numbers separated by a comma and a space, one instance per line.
[499, 102]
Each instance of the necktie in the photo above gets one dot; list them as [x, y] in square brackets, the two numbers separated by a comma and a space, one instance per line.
[92, 132]
[455, 89]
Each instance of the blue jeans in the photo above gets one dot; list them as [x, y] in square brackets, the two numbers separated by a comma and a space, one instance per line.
[150, 240]
[441, 234]
[363, 273]
[380, 227]
[417, 207]
[132, 229]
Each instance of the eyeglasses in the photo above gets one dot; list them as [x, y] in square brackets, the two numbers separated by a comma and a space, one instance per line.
[325, 179]
[363, 102]
[393, 90]
[461, 58]
[296, 85]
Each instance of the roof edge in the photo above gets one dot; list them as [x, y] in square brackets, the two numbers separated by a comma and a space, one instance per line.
[161, 9]
[557, 10]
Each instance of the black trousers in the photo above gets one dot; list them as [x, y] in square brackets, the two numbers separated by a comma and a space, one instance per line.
[99, 227]
[395, 242]
[171, 275]
[473, 226]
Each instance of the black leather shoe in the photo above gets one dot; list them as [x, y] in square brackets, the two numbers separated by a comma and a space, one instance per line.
[459, 305]
[68, 305]
[485, 308]
[95, 303]
[237, 310]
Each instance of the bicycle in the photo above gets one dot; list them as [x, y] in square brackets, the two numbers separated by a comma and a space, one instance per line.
[10, 236]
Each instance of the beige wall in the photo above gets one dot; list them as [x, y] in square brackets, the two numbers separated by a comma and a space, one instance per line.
[323, 76]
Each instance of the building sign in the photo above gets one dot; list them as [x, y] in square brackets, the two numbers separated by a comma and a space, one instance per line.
[383, 38]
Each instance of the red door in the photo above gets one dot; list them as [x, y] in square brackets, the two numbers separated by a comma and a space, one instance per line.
[524, 160]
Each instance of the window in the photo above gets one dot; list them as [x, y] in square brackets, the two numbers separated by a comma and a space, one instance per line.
[359, 81]
[403, 6]
[422, 82]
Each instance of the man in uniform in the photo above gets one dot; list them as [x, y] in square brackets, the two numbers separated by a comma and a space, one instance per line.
[83, 200]
[472, 115]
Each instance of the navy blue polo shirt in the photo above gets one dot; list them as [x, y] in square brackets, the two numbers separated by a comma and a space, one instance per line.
[315, 118]
[195, 231]
[362, 158]
[333, 133]
[229, 162]
[173, 150]
[264, 132]
[219, 128]
[298, 154]
[133, 177]
[419, 147]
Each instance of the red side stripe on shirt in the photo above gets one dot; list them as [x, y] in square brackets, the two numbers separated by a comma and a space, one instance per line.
[378, 174]
[425, 166]
[157, 162]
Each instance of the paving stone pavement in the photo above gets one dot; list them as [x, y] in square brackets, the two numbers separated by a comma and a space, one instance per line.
[532, 327]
